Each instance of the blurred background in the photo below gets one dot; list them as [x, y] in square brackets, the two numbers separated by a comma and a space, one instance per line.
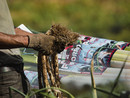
[109, 19]
[98, 18]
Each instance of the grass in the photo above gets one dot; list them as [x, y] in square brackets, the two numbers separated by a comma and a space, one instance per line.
[121, 55]
[29, 55]
[127, 48]
[29, 58]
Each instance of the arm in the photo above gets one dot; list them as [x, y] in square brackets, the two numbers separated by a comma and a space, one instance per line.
[13, 41]
[39, 42]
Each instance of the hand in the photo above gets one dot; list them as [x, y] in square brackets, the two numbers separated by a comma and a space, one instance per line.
[41, 42]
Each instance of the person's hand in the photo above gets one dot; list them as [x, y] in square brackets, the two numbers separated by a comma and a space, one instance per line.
[41, 42]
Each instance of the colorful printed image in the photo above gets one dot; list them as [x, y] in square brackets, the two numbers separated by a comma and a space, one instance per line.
[77, 58]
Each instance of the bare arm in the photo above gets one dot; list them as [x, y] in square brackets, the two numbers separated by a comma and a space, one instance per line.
[14, 41]
[39, 42]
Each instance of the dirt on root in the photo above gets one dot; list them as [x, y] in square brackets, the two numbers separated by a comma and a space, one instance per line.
[64, 37]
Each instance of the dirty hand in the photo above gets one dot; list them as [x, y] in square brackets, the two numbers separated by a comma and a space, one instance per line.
[41, 42]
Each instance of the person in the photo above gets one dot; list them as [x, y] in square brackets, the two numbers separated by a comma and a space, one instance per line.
[11, 63]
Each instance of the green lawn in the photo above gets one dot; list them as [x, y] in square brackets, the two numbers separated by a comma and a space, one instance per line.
[30, 58]
[127, 48]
